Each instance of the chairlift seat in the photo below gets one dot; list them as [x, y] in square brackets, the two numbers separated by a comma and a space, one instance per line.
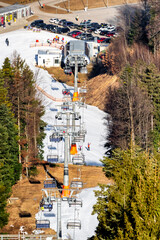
[52, 158]
[42, 224]
[76, 184]
[79, 139]
[72, 224]
[51, 147]
[54, 88]
[48, 206]
[75, 202]
[53, 109]
[83, 90]
[78, 159]
[55, 139]
[50, 183]
[66, 92]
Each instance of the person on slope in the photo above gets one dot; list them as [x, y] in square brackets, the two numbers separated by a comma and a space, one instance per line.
[7, 41]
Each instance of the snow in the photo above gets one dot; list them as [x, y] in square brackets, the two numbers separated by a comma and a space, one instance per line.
[93, 118]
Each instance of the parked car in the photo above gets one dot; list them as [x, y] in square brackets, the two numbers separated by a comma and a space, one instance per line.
[68, 24]
[50, 27]
[73, 32]
[94, 24]
[100, 39]
[34, 23]
[57, 30]
[43, 26]
[65, 29]
[54, 20]
[62, 22]
[107, 33]
[106, 40]
[84, 36]
[75, 26]
[85, 22]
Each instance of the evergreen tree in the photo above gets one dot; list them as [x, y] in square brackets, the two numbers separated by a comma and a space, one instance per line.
[27, 109]
[9, 166]
[130, 207]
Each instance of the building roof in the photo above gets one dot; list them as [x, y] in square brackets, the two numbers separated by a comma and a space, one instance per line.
[49, 52]
[12, 8]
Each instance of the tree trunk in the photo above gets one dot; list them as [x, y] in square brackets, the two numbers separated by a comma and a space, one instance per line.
[19, 131]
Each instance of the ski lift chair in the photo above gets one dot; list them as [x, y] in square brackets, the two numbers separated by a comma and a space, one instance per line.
[52, 158]
[73, 223]
[42, 223]
[79, 139]
[65, 106]
[50, 183]
[74, 201]
[48, 206]
[53, 109]
[78, 159]
[66, 91]
[54, 138]
[76, 184]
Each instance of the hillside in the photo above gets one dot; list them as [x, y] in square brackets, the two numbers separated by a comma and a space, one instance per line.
[29, 195]
[97, 88]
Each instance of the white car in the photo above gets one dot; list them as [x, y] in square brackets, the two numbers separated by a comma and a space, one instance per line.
[54, 20]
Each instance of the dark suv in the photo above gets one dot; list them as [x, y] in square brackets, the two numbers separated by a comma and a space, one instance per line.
[36, 22]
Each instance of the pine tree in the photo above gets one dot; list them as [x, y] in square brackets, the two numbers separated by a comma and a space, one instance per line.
[27, 109]
[150, 79]
[130, 207]
[9, 166]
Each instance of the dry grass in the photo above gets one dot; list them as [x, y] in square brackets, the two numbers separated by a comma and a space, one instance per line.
[18, 1]
[97, 89]
[30, 194]
[59, 75]
[75, 5]
[49, 9]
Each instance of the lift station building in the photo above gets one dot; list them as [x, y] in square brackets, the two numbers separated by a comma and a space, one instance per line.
[13, 12]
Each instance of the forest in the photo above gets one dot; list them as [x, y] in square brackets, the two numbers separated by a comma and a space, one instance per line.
[130, 208]
[21, 127]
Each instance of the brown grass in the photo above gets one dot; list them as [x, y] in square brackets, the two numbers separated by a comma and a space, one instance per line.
[59, 75]
[30, 194]
[81, 4]
[74, 5]
[49, 9]
[18, 1]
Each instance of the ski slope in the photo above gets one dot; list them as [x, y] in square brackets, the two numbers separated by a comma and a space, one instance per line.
[20, 41]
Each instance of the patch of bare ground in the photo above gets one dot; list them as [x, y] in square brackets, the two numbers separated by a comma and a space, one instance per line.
[49, 9]
[29, 195]
[18, 1]
[97, 88]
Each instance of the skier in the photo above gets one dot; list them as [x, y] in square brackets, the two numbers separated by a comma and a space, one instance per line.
[50, 207]
[80, 148]
[89, 146]
[77, 18]
[7, 41]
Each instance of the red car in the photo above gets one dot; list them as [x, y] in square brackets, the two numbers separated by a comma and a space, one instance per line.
[99, 40]
[75, 34]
